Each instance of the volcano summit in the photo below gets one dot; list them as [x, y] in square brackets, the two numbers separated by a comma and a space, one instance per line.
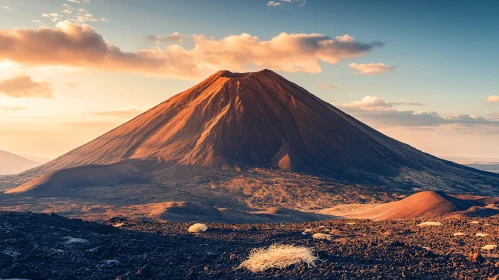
[248, 140]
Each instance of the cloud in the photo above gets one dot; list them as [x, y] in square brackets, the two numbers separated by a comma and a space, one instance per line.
[72, 85]
[37, 21]
[328, 86]
[369, 103]
[12, 108]
[70, 44]
[300, 3]
[24, 86]
[371, 68]
[492, 98]
[126, 112]
[376, 110]
[7, 8]
[52, 16]
[175, 37]
[83, 16]
[408, 103]
[79, 1]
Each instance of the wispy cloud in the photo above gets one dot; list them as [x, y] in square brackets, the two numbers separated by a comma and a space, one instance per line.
[371, 68]
[13, 108]
[328, 86]
[72, 85]
[24, 86]
[79, 1]
[492, 98]
[37, 21]
[175, 37]
[53, 16]
[276, 3]
[77, 45]
[74, 15]
[126, 112]
[7, 8]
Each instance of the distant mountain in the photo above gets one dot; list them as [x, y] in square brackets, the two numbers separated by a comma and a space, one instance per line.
[490, 167]
[12, 164]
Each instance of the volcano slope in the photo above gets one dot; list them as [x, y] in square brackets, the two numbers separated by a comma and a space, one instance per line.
[243, 142]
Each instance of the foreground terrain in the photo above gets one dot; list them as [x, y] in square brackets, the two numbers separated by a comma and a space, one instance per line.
[41, 246]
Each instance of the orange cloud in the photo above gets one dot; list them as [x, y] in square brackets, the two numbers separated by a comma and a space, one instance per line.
[492, 98]
[24, 86]
[80, 46]
[371, 68]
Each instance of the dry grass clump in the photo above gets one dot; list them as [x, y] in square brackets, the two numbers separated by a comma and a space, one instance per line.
[424, 224]
[489, 247]
[480, 234]
[322, 236]
[277, 256]
[198, 228]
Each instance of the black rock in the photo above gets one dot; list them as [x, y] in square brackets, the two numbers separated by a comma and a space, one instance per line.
[6, 261]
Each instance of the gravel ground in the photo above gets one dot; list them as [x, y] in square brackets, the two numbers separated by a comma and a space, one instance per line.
[41, 246]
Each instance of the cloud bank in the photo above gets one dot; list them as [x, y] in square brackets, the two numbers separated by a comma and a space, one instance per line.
[76, 45]
[377, 110]
[24, 86]
[175, 37]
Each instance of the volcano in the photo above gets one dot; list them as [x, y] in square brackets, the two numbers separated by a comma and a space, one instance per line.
[232, 124]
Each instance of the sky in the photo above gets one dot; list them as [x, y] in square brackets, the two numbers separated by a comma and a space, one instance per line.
[423, 72]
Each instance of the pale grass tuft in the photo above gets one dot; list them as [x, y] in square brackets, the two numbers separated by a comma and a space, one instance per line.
[479, 234]
[322, 236]
[424, 224]
[198, 228]
[72, 240]
[277, 256]
[489, 247]
[307, 230]
[459, 234]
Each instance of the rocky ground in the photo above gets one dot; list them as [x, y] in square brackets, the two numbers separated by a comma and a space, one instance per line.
[41, 246]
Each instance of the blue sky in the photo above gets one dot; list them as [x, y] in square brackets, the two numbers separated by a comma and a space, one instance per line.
[442, 54]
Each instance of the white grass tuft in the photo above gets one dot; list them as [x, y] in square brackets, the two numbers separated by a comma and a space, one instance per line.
[474, 222]
[73, 240]
[277, 256]
[118, 225]
[198, 228]
[459, 234]
[424, 224]
[489, 247]
[322, 236]
[479, 234]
